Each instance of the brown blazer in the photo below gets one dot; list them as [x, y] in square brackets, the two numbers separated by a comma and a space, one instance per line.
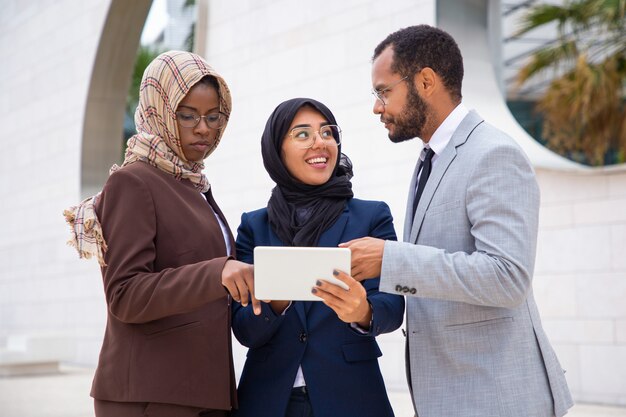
[167, 336]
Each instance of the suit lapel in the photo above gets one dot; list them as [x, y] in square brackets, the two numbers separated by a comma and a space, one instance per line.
[274, 239]
[443, 161]
[460, 136]
[332, 237]
[408, 220]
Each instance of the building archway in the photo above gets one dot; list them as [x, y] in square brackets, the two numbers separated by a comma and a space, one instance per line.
[106, 98]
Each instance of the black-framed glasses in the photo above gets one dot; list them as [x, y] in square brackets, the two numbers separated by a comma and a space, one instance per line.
[381, 94]
[191, 119]
[304, 137]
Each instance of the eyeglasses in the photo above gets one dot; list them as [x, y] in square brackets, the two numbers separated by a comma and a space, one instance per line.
[304, 137]
[380, 94]
[213, 120]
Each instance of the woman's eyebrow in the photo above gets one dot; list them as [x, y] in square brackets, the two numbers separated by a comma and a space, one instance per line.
[189, 107]
[324, 123]
[194, 109]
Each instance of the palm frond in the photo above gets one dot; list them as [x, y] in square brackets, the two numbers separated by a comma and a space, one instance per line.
[547, 58]
[541, 15]
[583, 112]
[583, 108]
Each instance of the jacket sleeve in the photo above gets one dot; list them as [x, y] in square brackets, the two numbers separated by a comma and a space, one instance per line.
[135, 292]
[251, 330]
[502, 205]
[387, 309]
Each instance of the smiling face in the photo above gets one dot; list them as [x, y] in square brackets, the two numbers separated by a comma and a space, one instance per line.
[315, 165]
[198, 141]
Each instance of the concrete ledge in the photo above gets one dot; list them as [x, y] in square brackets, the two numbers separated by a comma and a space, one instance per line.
[32, 368]
[32, 354]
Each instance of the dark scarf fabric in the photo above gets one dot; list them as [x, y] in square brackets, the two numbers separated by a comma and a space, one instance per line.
[299, 213]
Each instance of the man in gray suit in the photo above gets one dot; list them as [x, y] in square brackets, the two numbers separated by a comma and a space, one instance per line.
[475, 342]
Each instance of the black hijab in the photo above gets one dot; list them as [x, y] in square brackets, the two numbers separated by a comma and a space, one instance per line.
[299, 213]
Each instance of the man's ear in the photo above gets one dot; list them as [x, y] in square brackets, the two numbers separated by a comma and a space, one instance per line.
[425, 81]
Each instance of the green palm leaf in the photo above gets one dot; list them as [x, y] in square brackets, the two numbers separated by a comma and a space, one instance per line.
[583, 107]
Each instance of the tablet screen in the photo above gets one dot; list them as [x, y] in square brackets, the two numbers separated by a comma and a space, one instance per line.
[289, 273]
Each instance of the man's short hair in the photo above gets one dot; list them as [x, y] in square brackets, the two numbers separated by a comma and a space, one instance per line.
[417, 47]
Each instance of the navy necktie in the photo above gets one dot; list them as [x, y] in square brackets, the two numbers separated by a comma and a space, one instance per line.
[425, 169]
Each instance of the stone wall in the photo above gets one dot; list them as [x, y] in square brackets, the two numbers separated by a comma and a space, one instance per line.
[580, 279]
[64, 79]
[48, 49]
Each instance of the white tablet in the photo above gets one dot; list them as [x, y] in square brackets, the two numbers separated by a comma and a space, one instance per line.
[289, 273]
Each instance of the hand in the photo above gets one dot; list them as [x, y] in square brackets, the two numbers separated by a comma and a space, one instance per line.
[350, 305]
[238, 278]
[367, 257]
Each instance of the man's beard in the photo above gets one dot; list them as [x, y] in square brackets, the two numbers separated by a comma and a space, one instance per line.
[410, 123]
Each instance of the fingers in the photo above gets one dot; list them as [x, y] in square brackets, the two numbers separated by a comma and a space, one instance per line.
[248, 284]
[351, 243]
[350, 304]
[336, 294]
[232, 289]
[328, 298]
[344, 277]
[336, 289]
[242, 288]
[358, 273]
[367, 255]
[256, 304]
[238, 278]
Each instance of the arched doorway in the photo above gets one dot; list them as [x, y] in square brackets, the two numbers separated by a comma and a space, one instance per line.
[110, 80]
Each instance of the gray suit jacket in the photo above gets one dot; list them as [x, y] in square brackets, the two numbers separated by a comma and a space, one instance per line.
[475, 342]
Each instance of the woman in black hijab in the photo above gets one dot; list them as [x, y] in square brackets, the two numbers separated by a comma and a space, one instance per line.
[309, 358]
[299, 212]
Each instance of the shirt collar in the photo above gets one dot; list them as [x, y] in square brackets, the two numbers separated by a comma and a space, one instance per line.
[444, 132]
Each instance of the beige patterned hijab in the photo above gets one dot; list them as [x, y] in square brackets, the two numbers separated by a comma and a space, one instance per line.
[166, 81]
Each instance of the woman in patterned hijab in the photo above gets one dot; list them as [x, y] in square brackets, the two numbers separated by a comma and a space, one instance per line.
[157, 142]
[165, 251]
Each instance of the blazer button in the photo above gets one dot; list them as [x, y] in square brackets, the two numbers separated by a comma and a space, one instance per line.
[302, 337]
[405, 289]
[399, 288]
[413, 290]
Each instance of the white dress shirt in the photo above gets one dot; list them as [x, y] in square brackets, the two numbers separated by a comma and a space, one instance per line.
[444, 132]
[225, 234]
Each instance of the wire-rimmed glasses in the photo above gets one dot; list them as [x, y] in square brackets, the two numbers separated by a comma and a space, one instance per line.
[304, 136]
[380, 94]
[191, 119]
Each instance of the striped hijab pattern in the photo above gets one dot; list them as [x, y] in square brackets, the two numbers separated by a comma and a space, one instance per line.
[166, 81]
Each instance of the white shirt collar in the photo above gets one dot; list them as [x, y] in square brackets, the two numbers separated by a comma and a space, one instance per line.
[444, 132]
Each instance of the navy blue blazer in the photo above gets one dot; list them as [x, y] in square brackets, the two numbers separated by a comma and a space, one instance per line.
[340, 364]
